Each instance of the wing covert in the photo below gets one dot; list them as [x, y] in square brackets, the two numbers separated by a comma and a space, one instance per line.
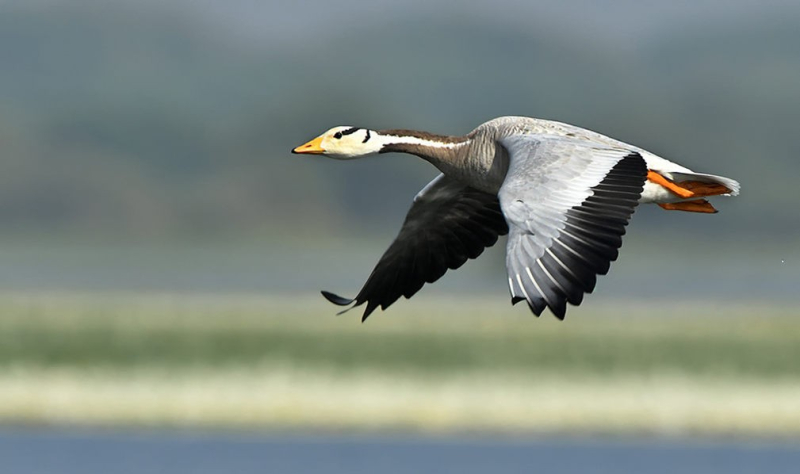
[567, 204]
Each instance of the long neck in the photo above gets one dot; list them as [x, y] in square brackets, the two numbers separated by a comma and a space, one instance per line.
[474, 159]
[443, 151]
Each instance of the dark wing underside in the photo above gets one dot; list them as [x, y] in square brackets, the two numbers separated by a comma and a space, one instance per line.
[447, 224]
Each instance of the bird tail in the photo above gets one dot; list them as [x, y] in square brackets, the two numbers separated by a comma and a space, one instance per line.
[707, 184]
[691, 188]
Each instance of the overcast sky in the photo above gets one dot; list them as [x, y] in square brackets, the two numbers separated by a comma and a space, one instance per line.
[621, 22]
[616, 20]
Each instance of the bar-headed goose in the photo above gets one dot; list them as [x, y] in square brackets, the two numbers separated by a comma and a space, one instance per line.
[564, 195]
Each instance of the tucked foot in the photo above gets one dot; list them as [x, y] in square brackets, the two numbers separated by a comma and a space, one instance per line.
[697, 205]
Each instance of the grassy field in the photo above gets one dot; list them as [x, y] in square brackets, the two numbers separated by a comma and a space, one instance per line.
[428, 364]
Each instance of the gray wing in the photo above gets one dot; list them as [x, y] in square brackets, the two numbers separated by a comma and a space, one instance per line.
[567, 204]
[447, 224]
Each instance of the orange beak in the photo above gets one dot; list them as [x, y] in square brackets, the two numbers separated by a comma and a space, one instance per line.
[314, 147]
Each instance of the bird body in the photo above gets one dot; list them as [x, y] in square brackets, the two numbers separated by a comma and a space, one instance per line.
[564, 195]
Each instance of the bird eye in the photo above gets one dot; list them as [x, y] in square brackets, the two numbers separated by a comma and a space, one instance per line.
[337, 135]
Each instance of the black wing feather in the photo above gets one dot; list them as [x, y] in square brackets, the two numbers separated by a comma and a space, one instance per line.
[448, 224]
[585, 247]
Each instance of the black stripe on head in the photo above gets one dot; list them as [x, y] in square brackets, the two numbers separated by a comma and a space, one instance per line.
[350, 131]
[366, 139]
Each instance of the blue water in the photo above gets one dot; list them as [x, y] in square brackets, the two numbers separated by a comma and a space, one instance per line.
[68, 452]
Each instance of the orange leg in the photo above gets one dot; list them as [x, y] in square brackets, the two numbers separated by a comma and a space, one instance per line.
[705, 189]
[697, 205]
[688, 189]
[660, 180]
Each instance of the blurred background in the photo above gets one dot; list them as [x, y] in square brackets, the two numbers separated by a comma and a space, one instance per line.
[161, 249]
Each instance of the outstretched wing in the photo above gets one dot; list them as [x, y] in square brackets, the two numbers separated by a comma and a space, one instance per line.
[447, 224]
[567, 204]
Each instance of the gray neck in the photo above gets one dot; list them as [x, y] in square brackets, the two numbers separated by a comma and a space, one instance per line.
[442, 151]
[474, 159]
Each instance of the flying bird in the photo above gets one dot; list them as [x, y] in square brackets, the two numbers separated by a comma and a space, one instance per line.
[563, 194]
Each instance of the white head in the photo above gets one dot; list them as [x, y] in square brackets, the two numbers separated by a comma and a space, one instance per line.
[344, 143]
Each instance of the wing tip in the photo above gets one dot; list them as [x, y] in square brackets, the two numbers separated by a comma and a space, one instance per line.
[370, 308]
[516, 299]
[336, 299]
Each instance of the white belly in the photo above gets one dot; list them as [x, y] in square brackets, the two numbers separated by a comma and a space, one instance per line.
[654, 192]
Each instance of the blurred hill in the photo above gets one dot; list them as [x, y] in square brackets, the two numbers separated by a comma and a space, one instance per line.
[140, 121]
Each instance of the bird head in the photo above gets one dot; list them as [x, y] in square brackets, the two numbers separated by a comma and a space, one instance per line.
[342, 143]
